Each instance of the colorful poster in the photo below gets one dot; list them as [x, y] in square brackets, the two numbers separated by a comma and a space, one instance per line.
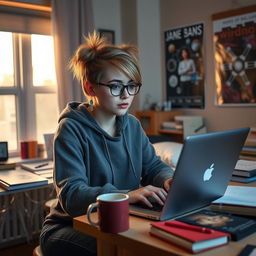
[235, 58]
[184, 66]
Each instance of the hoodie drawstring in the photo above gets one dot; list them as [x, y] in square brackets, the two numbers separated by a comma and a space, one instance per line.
[109, 159]
[129, 155]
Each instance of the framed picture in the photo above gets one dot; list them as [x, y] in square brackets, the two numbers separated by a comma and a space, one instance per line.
[108, 34]
[235, 56]
[184, 54]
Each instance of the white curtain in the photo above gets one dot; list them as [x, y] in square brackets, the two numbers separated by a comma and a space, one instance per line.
[71, 20]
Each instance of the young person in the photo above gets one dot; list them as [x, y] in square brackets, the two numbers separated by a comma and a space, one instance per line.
[99, 148]
[186, 70]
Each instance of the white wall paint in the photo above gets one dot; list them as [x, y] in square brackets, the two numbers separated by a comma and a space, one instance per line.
[149, 39]
[107, 15]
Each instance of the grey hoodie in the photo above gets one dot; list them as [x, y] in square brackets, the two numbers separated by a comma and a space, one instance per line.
[90, 162]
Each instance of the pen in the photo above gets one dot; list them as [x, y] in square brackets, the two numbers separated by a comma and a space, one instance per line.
[190, 227]
[41, 165]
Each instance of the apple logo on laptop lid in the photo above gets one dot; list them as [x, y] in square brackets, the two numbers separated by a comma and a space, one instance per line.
[208, 173]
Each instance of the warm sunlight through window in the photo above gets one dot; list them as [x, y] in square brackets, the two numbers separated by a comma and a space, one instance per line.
[43, 60]
[8, 131]
[28, 96]
[6, 60]
[46, 114]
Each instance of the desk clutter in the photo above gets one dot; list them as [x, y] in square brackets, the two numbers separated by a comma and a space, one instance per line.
[7, 165]
[191, 125]
[203, 230]
[237, 226]
[237, 200]
[30, 149]
[245, 171]
[44, 169]
[33, 149]
[20, 179]
[249, 149]
[231, 217]
[193, 238]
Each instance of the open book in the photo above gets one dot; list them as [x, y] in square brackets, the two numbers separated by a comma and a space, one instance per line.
[237, 200]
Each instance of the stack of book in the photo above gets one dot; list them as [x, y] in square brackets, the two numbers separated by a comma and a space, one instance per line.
[7, 165]
[237, 226]
[20, 179]
[237, 200]
[249, 149]
[190, 237]
[170, 126]
[28, 149]
[245, 171]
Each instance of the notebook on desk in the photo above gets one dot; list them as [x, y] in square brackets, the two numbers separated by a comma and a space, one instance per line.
[202, 174]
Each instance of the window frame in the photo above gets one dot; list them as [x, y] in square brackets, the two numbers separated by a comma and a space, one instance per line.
[23, 89]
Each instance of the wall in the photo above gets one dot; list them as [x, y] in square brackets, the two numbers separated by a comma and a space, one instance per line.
[149, 40]
[177, 13]
[129, 34]
[107, 15]
[143, 22]
[136, 22]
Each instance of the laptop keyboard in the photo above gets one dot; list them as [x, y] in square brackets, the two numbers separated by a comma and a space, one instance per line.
[156, 207]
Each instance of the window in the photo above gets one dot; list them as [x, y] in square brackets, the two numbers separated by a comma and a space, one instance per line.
[28, 97]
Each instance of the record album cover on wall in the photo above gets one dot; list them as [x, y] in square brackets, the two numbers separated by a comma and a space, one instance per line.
[235, 54]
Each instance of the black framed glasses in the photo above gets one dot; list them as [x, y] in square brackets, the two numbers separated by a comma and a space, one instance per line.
[117, 89]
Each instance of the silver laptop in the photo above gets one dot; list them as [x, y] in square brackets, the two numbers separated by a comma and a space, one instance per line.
[202, 174]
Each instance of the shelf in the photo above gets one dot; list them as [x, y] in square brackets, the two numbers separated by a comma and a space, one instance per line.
[151, 121]
[174, 131]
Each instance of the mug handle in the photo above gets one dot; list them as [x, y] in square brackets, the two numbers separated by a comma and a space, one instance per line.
[89, 211]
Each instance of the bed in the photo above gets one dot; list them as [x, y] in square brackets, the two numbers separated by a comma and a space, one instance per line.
[167, 150]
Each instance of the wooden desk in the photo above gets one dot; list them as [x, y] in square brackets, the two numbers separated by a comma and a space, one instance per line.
[137, 240]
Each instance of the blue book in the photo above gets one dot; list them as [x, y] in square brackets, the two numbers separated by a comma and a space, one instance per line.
[237, 226]
[243, 179]
[20, 179]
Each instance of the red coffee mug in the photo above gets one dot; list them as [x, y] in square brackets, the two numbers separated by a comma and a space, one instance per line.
[113, 212]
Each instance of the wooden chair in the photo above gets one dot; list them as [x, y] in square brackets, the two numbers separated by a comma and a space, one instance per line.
[48, 204]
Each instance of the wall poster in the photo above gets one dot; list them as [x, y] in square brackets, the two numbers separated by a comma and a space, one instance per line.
[235, 56]
[184, 66]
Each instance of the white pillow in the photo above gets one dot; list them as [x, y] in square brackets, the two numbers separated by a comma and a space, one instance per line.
[169, 152]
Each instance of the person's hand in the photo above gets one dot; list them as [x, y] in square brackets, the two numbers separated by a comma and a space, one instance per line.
[143, 194]
[167, 184]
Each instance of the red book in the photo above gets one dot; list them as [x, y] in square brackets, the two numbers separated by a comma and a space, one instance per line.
[24, 149]
[192, 238]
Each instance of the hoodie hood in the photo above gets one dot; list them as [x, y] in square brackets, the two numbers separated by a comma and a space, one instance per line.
[78, 111]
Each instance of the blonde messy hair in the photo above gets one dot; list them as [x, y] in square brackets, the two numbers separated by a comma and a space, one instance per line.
[91, 58]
